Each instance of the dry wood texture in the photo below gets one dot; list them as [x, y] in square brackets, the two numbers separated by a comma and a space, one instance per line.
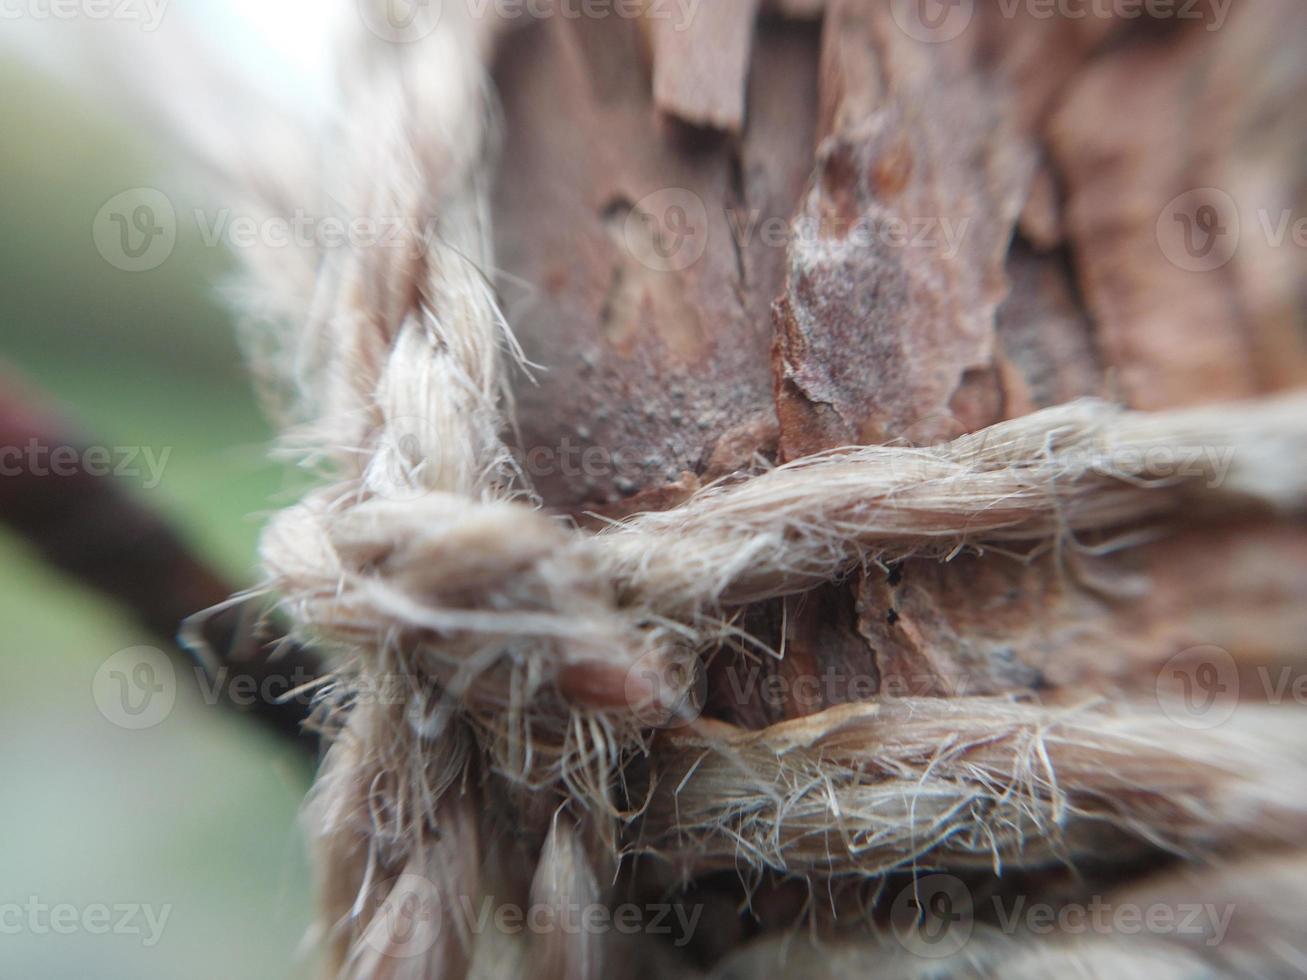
[899, 432]
[972, 229]
[797, 227]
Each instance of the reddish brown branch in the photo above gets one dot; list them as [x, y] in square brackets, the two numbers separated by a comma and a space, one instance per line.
[84, 522]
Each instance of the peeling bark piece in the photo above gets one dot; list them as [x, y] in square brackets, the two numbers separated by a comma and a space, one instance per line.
[986, 625]
[959, 628]
[1262, 167]
[1037, 59]
[1037, 55]
[626, 274]
[989, 624]
[775, 166]
[896, 268]
[699, 66]
[1188, 315]
[1041, 216]
[1046, 345]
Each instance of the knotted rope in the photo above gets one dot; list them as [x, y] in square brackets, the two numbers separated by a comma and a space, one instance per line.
[513, 643]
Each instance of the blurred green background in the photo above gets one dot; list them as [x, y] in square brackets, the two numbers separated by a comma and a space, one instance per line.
[200, 812]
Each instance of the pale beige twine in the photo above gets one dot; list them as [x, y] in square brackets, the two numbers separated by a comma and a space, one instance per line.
[513, 645]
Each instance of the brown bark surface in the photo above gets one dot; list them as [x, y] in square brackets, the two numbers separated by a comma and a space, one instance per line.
[708, 278]
[683, 338]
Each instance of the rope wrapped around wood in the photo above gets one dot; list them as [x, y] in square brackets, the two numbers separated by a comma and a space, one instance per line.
[516, 650]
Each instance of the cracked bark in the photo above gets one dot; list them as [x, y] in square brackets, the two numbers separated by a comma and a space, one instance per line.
[835, 331]
[1055, 145]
